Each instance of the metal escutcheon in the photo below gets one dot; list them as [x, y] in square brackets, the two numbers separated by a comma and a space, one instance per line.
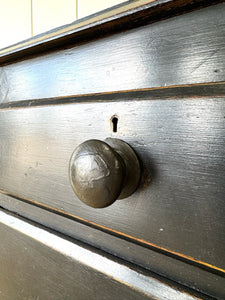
[102, 172]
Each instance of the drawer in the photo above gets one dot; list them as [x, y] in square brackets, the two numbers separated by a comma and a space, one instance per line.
[28, 247]
[178, 209]
[163, 83]
[186, 49]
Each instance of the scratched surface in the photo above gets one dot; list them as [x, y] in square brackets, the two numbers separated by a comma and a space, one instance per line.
[180, 142]
[174, 224]
[61, 269]
[181, 50]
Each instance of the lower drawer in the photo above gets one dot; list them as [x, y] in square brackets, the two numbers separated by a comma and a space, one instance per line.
[62, 269]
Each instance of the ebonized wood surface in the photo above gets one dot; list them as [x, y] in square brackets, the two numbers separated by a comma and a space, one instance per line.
[38, 264]
[180, 143]
[165, 82]
[182, 271]
[185, 49]
[130, 14]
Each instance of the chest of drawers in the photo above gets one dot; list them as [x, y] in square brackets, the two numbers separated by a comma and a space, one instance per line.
[159, 70]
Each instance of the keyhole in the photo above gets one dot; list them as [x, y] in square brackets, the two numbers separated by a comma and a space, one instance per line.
[114, 124]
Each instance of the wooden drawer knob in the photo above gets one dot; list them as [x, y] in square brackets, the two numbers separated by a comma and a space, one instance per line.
[101, 172]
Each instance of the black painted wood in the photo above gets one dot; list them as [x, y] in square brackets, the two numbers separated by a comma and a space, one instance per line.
[37, 264]
[181, 146]
[164, 81]
[130, 14]
[169, 267]
[184, 49]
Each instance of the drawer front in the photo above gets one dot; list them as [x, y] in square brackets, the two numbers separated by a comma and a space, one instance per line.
[179, 206]
[186, 49]
[86, 274]
[164, 81]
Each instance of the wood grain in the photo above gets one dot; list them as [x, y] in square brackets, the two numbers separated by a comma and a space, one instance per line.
[162, 73]
[122, 17]
[62, 269]
[186, 49]
[181, 146]
[186, 273]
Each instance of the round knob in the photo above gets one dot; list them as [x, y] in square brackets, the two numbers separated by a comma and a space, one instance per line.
[101, 172]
